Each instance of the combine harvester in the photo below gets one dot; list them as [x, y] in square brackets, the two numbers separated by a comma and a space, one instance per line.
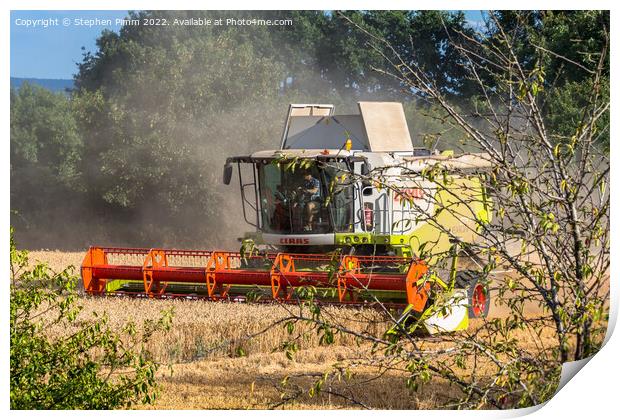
[322, 225]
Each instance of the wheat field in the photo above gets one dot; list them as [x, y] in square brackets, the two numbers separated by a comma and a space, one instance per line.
[202, 367]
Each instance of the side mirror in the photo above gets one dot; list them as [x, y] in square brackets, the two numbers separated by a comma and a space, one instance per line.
[228, 171]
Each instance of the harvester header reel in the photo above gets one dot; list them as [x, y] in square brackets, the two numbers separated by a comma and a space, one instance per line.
[388, 281]
[217, 275]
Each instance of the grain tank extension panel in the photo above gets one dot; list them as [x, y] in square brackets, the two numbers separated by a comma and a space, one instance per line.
[386, 126]
[379, 127]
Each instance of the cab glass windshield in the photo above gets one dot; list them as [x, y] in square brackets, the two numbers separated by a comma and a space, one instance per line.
[319, 199]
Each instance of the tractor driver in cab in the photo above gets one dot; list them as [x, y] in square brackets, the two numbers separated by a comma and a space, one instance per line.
[311, 198]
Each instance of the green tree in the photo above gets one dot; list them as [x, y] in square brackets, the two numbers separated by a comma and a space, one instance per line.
[45, 143]
[172, 105]
[422, 36]
[44, 132]
[564, 47]
[46, 151]
[85, 366]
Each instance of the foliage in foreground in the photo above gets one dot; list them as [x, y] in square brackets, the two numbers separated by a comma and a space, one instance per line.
[547, 245]
[90, 366]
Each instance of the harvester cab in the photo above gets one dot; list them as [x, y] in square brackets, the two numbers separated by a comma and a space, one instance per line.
[342, 157]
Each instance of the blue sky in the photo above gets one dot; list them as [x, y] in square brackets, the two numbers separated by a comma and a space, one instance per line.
[52, 52]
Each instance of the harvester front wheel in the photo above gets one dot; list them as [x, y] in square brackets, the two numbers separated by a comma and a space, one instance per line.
[478, 293]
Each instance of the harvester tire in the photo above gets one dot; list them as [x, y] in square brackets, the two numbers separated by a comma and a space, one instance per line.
[478, 293]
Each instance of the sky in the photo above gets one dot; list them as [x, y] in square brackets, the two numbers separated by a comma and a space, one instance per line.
[53, 52]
